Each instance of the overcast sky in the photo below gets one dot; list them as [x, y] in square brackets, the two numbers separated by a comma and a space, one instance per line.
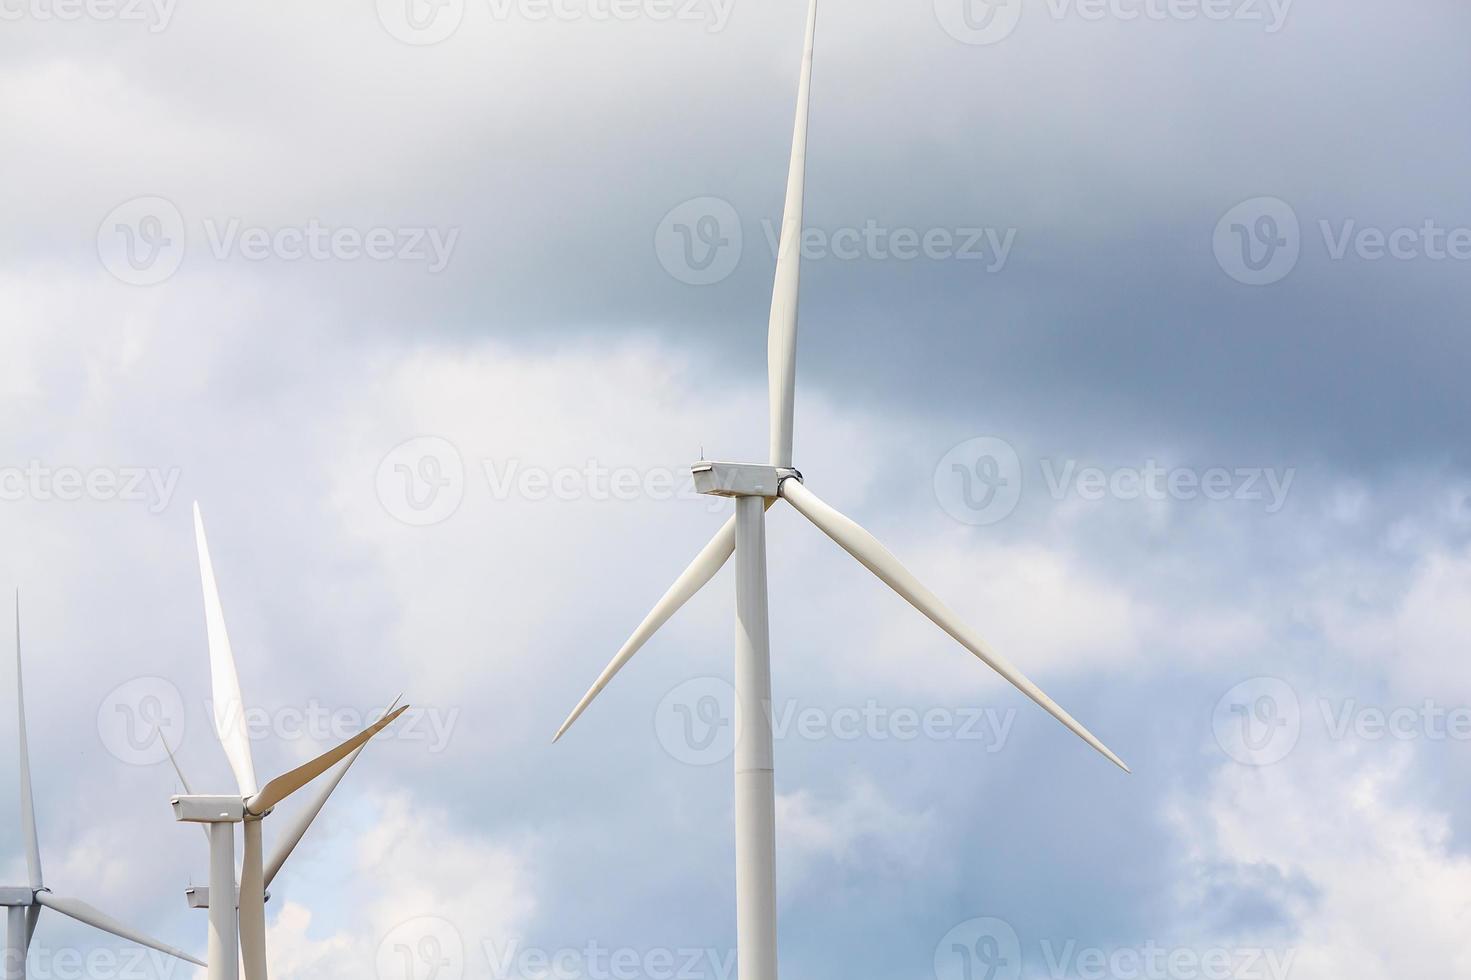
[1137, 328]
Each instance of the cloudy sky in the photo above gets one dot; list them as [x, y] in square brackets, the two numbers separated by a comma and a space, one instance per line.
[1138, 328]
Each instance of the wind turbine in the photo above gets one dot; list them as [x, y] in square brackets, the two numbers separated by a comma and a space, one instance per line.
[756, 488]
[24, 903]
[241, 925]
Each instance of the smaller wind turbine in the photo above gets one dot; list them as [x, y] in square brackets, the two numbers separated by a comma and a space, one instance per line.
[241, 926]
[24, 903]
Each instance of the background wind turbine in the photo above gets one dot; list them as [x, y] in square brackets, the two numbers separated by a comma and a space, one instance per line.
[24, 903]
[756, 488]
[242, 925]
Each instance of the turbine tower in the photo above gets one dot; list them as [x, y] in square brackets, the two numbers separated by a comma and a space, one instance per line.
[756, 488]
[24, 903]
[240, 926]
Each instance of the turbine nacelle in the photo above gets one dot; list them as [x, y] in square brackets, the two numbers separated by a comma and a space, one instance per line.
[741, 479]
[18, 898]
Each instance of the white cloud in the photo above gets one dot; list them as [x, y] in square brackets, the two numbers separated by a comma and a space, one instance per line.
[416, 879]
[1385, 889]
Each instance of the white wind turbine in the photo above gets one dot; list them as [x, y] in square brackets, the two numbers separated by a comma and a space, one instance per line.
[24, 903]
[241, 925]
[756, 488]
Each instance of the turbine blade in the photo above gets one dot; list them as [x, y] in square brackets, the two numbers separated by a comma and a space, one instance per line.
[82, 912]
[33, 916]
[183, 780]
[229, 704]
[879, 560]
[283, 786]
[252, 905]
[303, 822]
[27, 797]
[691, 580]
[781, 344]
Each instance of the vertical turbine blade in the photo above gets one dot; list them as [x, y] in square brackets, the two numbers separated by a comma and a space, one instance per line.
[879, 560]
[298, 830]
[82, 912]
[691, 580]
[781, 350]
[27, 797]
[252, 905]
[229, 704]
